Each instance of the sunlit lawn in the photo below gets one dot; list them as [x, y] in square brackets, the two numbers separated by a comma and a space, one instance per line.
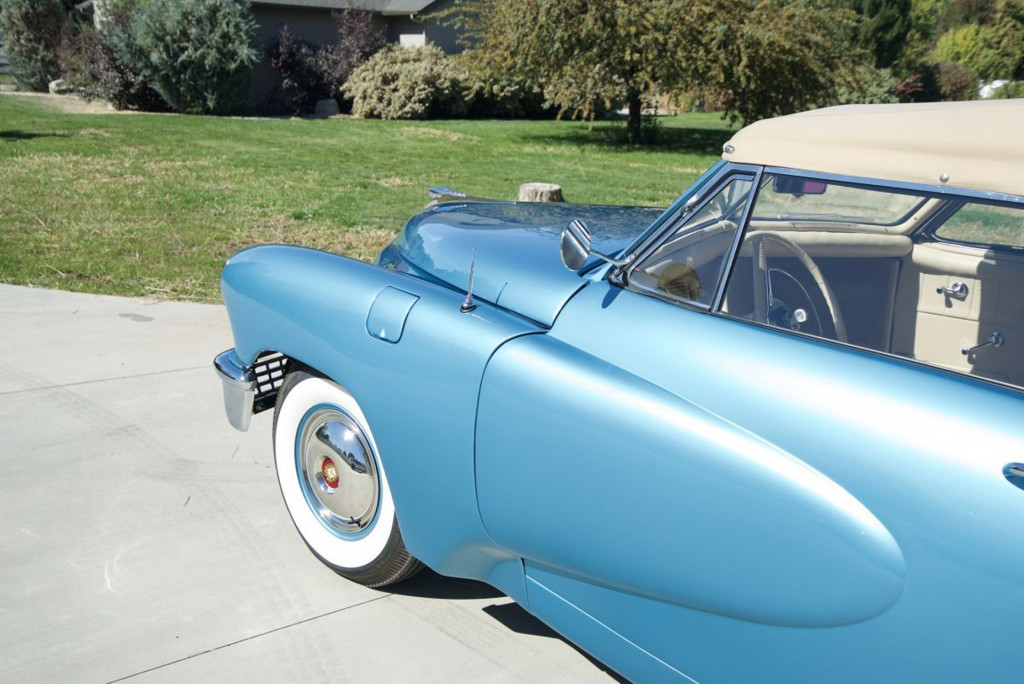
[152, 205]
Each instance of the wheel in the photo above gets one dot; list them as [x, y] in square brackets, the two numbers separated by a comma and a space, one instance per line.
[771, 310]
[333, 482]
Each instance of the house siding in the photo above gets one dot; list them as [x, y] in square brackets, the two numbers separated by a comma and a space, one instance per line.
[434, 31]
[315, 24]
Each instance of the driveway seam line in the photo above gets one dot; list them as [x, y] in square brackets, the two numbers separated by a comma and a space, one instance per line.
[93, 382]
[249, 638]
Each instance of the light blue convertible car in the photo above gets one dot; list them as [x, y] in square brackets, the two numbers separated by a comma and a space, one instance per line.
[773, 433]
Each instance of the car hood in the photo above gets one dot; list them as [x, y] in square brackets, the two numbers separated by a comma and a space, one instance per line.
[518, 265]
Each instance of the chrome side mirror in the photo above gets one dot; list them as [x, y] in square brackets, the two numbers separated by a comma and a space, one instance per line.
[576, 247]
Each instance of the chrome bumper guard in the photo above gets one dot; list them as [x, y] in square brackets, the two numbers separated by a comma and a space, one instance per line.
[239, 388]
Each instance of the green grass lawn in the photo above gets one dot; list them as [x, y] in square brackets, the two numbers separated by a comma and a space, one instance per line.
[152, 205]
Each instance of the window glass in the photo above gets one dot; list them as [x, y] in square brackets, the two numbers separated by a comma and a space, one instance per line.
[986, 225]
[861, 265]
[788, 198]
[688, 265]
[823, 258]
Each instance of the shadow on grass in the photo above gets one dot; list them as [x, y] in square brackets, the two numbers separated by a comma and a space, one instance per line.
[12, 136]
[429, 584]
[702, 141]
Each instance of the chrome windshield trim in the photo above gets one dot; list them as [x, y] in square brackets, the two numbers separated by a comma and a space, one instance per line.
[729, 261]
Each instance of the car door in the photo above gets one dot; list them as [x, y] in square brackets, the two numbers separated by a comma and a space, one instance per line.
[695, 494]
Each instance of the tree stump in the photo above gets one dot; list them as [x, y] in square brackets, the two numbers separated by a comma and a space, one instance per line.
[540, 192]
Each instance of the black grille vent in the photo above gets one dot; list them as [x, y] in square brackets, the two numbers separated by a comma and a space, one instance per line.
[270, 369]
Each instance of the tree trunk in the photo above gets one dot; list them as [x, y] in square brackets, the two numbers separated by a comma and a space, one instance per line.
[633, 122]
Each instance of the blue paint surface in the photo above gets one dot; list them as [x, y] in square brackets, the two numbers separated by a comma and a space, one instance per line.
[682, 494]
[517, 264]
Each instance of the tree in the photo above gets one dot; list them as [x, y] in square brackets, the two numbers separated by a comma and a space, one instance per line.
[883, 28]
[923, 19]
[761, 57]
[586, 56]
[198, 54]
[764, 58]
[987, 38]
[33, 30]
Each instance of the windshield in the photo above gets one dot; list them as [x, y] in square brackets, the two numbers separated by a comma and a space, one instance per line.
[789, 197]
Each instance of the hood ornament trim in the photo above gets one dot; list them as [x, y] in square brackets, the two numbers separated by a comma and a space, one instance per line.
[445, 193]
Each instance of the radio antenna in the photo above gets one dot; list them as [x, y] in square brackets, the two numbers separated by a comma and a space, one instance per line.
[468, 304]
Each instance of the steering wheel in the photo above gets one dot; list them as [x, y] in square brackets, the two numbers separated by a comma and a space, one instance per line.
[774, 312]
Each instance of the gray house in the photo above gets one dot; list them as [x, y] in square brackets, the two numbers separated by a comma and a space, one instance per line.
[404, 21]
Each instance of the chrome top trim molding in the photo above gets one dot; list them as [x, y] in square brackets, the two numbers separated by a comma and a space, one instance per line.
[913, 188]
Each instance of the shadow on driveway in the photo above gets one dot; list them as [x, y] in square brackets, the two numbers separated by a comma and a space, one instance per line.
[429, 584]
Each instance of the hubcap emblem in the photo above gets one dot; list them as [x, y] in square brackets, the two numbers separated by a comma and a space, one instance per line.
[330, 473]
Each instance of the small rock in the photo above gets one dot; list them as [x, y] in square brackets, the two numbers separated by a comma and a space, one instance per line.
[540, 192]
[327, 108]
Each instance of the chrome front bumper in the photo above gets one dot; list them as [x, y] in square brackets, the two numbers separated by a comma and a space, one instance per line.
[239, 388]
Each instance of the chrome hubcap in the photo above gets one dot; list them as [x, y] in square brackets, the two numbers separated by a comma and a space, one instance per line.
[338, 471]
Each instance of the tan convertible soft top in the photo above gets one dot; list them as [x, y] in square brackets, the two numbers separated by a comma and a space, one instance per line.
[977, 145]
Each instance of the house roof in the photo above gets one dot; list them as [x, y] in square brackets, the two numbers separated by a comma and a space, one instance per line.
[961, 144]
[385, 7]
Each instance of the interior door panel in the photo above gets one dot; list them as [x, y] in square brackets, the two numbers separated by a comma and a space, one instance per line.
[934, 324]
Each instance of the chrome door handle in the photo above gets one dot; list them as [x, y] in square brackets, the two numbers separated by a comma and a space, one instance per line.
[995, 340]
[958, 291]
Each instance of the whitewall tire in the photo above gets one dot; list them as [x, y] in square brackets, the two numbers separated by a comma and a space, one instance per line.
[334, 484]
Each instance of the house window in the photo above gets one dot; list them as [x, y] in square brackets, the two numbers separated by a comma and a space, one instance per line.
[410, 40]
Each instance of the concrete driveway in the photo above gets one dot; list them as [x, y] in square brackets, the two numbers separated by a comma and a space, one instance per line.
[143, 539]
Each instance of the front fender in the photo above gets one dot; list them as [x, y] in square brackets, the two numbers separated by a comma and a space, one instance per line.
[402, 347]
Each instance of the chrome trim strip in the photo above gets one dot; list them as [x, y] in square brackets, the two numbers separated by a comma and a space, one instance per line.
[729, 262]
[909, 188]
[239, 384]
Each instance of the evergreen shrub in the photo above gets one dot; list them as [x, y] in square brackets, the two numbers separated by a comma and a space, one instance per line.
[198, 54]
[103, 62]
[33, 30]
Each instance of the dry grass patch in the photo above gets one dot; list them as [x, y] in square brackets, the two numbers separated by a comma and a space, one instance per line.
[394, 182]
[425, 132]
